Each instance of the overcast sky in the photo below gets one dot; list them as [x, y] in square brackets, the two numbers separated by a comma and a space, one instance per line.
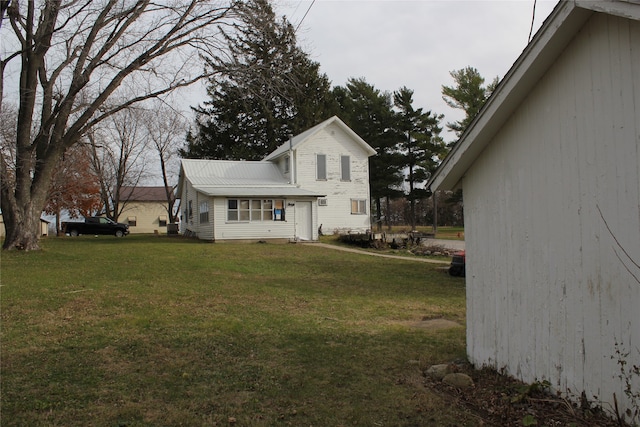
[397, 43]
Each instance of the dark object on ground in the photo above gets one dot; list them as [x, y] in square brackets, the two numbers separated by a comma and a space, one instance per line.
[457, 267]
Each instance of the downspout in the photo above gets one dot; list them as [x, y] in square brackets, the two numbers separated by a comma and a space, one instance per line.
[292, 177]
[292, 180]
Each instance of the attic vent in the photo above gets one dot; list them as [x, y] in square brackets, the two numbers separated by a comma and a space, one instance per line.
[322, 202]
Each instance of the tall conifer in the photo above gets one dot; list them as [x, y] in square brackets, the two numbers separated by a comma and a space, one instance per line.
[265, 89]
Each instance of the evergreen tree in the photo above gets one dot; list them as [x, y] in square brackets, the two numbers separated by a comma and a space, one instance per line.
[420, 142]
[265, 90]
[468, 94]
[369, 113]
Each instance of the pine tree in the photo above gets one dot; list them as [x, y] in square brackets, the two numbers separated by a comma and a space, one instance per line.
[468, 94]
[369, 113]
[265, 90]
[421, 144]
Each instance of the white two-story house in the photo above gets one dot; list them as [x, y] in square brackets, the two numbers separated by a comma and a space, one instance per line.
[316, 182]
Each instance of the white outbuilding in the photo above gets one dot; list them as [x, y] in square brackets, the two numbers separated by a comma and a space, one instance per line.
[551, 182]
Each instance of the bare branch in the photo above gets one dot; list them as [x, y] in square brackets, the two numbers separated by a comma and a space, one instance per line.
[84, 61]
[619, 245]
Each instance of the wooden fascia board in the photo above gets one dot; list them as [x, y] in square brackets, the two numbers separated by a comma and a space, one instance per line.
[366, 147]
[629, 9]
[335, 119]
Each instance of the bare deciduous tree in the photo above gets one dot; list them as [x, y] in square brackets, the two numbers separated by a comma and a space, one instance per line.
[118, 157]
[77, 63]
[166, 129]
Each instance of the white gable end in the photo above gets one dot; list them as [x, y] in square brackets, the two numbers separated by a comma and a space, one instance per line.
[337, 147]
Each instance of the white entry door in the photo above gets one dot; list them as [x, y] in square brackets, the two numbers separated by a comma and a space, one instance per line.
[304, 224]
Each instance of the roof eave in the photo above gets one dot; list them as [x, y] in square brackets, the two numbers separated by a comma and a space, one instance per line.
[257, 191]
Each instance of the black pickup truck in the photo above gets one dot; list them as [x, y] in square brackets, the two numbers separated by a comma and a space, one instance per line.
[95, 225]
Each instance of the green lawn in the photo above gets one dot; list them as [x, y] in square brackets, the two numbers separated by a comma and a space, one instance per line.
[153, 331]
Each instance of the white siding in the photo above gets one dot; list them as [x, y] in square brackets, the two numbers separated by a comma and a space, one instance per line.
[334, 142]
[204, 230]
[192, 222]
[232, 230]
[548, 290]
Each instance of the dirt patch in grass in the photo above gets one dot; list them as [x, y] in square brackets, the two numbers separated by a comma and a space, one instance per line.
[434, 324]
[499, 400]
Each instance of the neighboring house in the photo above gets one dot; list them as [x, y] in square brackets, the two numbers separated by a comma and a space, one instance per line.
[145, 209]
[44, 227]
[318, 179]
[551, 181]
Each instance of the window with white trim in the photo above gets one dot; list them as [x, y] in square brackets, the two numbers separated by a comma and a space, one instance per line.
[204, 212]
[358, 206]
[254, 210]
[321, 167]
[345, 168]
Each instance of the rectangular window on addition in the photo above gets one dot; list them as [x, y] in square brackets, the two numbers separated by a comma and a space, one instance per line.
[321, 167]
[243, 209]
[232, 210]
[345, 168]
[204, 212]
[358, 207]
[254, 210]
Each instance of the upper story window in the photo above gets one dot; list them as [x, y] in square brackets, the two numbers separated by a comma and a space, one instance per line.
[345, 168]
[287, 164]
[321, 167]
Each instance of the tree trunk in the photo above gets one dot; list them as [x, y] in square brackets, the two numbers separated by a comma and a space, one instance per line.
[23, 228]
[22, 209]
[167, 189]
[58, 222]
[378, 214]
[387, 215]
